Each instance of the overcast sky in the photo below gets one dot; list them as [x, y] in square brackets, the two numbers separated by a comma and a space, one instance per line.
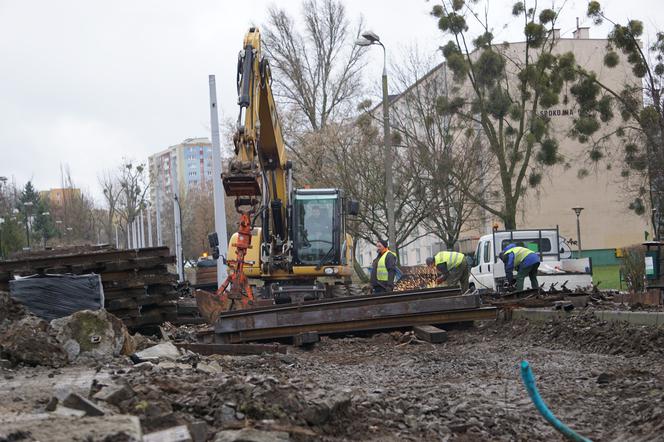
[85, 83]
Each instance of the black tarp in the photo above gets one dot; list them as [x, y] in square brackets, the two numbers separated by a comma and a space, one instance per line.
[55, 296]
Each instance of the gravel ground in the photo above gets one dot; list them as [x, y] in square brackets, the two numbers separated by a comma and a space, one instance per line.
[605, 381]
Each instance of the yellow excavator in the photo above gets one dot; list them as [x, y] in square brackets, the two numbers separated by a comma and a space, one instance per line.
[301, 250]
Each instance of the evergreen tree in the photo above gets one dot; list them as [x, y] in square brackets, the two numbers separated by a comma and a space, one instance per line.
[499, 92]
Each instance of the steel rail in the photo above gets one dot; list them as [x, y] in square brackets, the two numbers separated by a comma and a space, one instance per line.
[482, 313]
[354, 300]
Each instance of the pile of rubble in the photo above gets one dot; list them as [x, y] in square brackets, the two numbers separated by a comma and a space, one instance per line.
[584, 332]
[84, 336]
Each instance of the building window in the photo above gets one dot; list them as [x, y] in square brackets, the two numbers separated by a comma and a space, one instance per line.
[404, 259]
[418, 256]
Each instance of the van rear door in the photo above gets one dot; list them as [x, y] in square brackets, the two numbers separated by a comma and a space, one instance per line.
[482, 271]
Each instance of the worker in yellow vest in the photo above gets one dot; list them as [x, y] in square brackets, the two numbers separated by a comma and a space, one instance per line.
[525, 261]
[452, 268]
[383, 269]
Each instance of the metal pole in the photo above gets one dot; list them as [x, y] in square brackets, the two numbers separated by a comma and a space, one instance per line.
[389, 183]
[133, 234]
[141, 230]
[159, 241]
[117, 239]
[219, 206]
[176, 222]
[150, 226]
[27, 228]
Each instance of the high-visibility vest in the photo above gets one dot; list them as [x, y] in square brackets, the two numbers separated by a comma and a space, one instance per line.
[520, 254]
[381, 271]
[452, 259]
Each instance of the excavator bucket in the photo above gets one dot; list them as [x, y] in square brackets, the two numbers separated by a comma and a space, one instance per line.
[211, 306]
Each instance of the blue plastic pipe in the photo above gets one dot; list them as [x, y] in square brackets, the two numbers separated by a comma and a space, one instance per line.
[529, 382]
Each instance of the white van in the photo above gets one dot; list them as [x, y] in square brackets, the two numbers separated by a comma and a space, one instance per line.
[557, 268]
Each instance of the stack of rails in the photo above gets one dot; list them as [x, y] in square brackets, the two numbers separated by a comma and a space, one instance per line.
[138, 288]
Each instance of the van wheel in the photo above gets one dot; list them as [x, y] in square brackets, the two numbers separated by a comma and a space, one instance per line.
[471, 287]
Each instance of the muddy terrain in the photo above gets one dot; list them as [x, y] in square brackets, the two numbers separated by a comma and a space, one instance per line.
[604, 380]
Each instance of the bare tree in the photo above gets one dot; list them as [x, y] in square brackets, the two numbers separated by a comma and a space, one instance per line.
[436, 144]
[349, 157]
[133, 183]
[316, 70]
[501, 90]
[111, 190]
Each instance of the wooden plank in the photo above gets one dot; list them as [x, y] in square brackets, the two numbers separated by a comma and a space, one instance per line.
[305, 339]
[140, 281]
[430, 333]
[81, 258]
[233, 349]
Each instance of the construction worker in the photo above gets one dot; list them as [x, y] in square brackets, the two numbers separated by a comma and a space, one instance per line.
[525, 261]
[383, 269]
[452, 268]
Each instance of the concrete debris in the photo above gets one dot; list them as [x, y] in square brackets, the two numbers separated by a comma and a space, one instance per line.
[94, 334]
[165, 350]
[114, 394]
[198, 431]
[78, 402]
[211, 368]
[143, 366]
[175, 434]
[61, 410]
[56, 428]
[330, 405]
[251, 435]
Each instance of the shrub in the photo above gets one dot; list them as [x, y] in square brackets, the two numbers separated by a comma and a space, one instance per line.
[633, 268]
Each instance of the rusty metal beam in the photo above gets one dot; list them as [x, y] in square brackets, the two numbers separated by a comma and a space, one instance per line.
[350, 300]
[483, 313]
[233, 349]
[347, 311]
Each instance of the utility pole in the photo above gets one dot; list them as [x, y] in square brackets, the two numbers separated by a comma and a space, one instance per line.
[219, 206]
[117, 239]
[159, 176]
[176, 223]
[141, 229]
[150, 226]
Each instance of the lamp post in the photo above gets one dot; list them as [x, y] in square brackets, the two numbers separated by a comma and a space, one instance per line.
[368, 39]
[578, 210]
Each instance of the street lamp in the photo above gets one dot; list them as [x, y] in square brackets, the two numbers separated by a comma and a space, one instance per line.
[370, 38]
[578, 210]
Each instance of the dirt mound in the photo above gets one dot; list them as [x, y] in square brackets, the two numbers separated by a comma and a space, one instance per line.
[29, 342]
[86, 336]
[10, 310]
[587, 333]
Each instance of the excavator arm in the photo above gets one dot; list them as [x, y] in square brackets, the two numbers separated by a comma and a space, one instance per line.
[260, 168]
[259, 177]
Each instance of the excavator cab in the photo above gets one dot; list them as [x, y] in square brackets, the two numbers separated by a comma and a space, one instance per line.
[317, 227]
